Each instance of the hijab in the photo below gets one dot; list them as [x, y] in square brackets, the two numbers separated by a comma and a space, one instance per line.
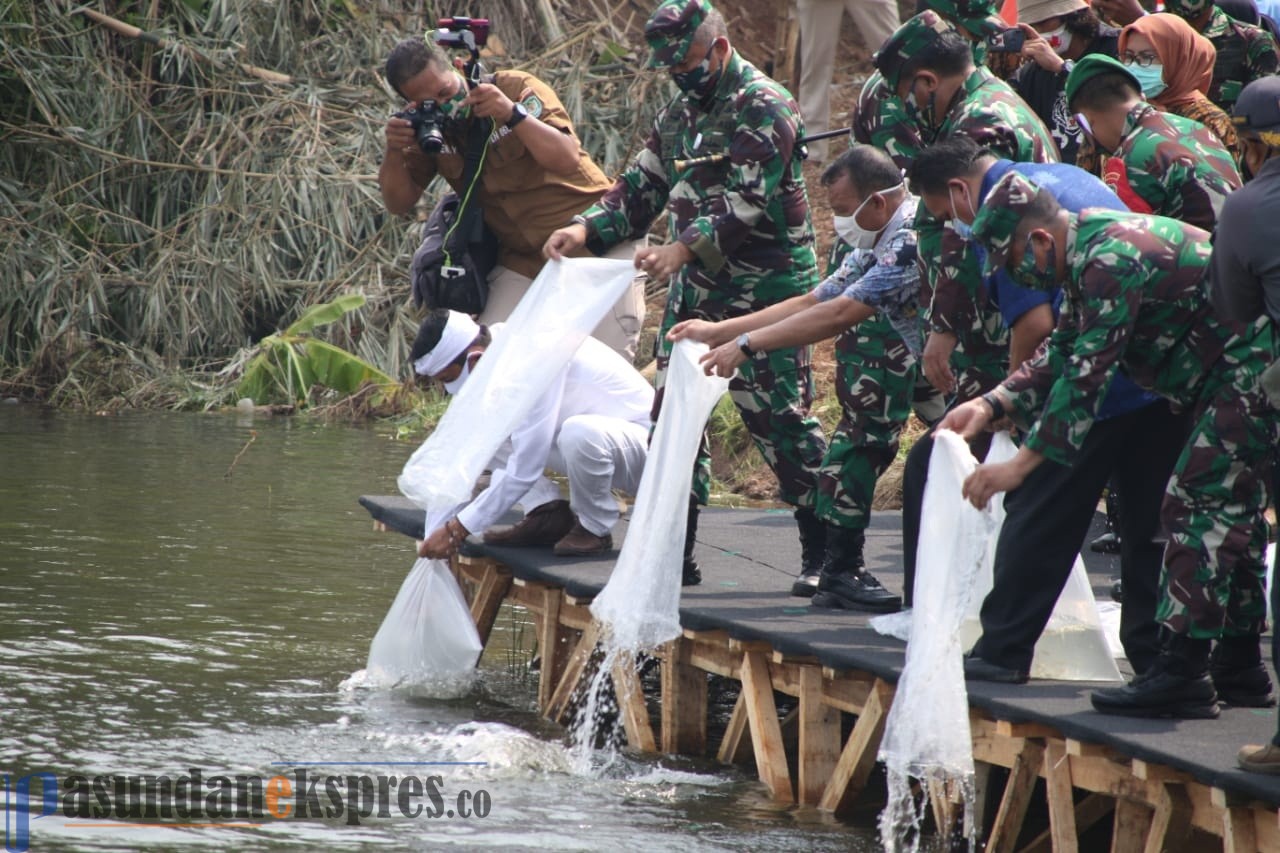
[1186, 55]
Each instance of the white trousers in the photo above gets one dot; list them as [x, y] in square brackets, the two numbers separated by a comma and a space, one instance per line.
[620, 328]
[819, 37]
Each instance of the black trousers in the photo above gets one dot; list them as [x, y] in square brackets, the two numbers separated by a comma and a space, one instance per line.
[1048, 517]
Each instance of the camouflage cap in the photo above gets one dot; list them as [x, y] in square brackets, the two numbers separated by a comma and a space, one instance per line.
[906, 43]
[1091, 66]
[1257, 111]
[997, 219]
[980, 17]
[670, 30]
[1186, 8]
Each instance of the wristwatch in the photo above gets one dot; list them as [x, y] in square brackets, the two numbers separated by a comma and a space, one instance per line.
[744, 344]
[518, 114]
[1066, 67]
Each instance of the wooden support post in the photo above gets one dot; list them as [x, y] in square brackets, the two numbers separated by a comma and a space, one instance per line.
[1129, 830]
[558, 708]
[735, 748]
[631, 705]
[859, 755]
[786, 55]
[819, 737]
[943, 806]
[1017, 796]
[1088, 812]
[684, 702]
[1171, 822]
[766, 734]
[488, 598]
[552, 644]
[1062, 810]
[1239, 834]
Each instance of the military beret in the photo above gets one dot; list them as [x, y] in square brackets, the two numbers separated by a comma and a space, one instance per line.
[1257, 110]
[670, 30]
[980, 17]
[906, 43]
[997, 219]
[1091, 66]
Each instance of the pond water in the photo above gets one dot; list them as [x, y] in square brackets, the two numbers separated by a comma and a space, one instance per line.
[186, 593]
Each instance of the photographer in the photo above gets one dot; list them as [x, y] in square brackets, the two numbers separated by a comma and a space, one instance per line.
[533, 178]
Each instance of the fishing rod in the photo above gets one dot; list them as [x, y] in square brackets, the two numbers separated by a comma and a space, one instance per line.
[714, 159]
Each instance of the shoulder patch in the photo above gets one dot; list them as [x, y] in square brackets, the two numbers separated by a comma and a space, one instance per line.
[533, 104]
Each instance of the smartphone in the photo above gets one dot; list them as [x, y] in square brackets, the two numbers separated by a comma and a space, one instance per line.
[1007, 41]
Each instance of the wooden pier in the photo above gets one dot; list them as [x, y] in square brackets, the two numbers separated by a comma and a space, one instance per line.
[1159, 784]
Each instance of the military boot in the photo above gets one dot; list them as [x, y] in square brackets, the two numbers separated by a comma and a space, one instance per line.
[844, 583]
[1238, 674]
[813, 552]
[690, 574]
[1176, 685]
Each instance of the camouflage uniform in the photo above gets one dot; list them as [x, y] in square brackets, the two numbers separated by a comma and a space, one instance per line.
[746, 220]
[1244, 52]
[1170, 166]
[875, 370]
[1135, 298]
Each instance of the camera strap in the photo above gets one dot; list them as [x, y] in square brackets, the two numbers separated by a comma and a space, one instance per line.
[468, 208]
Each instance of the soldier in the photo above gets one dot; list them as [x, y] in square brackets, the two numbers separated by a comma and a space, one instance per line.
[880, 276]
[1135, 286]
[1156, 162]
[1136, 441]
[742, 237]
[1244, 284]
[534, 177]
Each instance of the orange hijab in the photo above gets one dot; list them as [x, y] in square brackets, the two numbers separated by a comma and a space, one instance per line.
[1186, 55]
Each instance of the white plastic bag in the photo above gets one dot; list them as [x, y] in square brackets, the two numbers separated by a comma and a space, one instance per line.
[640, 605]
[565, 302]
[927, 734]
[428, 634]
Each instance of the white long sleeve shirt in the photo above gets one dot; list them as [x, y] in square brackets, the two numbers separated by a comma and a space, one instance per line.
[597, 381]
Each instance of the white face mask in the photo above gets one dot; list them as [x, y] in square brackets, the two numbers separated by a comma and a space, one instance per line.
[853, 233]
[456, 385]
[1059, 39]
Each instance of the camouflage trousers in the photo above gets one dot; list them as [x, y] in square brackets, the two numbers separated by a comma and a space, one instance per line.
[877, 384]
[773, 394]
[1212, 583]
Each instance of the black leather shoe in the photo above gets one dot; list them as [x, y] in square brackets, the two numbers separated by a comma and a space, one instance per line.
[977, 669]
[1107, 543]
[690, 574]
[805, 585]
[1160, 693]
[850, 591]
[1243, 687]
[1117, 592]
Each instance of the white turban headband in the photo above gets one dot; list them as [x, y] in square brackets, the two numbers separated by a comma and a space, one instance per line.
[458, 334]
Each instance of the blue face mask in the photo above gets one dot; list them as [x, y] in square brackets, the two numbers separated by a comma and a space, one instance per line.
[1151, 78]
[964, 229]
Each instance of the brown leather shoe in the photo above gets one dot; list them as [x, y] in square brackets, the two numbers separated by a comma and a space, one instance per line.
[1260, 759]
[544, 525]
[581, 542]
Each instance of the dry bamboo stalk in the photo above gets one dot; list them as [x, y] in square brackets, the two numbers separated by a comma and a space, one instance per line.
[130, 31]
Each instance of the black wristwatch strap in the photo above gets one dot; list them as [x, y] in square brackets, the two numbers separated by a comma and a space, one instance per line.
[997, 407]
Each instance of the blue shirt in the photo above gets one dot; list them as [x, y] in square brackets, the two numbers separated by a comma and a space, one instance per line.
[1075, 189]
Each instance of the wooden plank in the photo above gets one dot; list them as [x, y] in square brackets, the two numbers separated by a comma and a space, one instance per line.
[786, 54]
[1171, 820]
[859, 754]
[552, 643]
[743, 646]
[1004, 728]
[631, 704]
[736, 744]
[495, 581]
[1017, 796]
[766, 734]
[684, 702]
[1129, 830]
[1088, 812]
[785, 678]
[558, 708]
[819, 737]
[848, 692]
[1239, 833]
[716, 658]
[1062, 810]
[575, 616]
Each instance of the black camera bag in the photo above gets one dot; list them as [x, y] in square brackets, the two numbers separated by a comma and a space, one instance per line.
[451, 268]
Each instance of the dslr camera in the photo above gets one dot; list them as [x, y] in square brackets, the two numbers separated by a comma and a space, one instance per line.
[428, 124]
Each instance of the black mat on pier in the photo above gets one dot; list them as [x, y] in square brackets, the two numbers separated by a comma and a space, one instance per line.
[748, 560]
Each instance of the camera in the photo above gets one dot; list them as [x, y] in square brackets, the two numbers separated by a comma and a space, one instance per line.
[1007, 41]
[427, 121]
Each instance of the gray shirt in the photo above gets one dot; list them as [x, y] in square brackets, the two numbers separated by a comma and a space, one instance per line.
[1244, 272]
